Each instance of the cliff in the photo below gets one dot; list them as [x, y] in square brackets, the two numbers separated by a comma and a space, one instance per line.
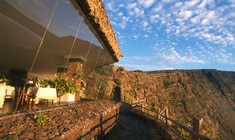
[209, 94]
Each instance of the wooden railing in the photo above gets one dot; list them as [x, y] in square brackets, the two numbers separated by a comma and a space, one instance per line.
[162, 115]
[141, 102]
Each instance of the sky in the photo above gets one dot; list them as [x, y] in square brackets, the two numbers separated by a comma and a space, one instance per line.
[174, 34]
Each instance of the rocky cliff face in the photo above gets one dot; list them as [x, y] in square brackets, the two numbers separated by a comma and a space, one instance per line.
[209, 94]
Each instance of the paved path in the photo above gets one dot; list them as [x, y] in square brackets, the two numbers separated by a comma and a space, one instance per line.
[132, 128]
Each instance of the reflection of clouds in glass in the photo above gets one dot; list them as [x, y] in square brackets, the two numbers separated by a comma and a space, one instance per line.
[65, 22]
[64, 25]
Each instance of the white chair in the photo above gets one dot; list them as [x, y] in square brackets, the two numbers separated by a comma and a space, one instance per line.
[10, 92]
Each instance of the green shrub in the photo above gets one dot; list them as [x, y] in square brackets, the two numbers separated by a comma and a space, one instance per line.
[102, 84]
[9, 137]
[75, 110]
[42, 119]
[182, 132]
[150, 105]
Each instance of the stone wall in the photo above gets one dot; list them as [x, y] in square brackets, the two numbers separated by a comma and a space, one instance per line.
[84, 120]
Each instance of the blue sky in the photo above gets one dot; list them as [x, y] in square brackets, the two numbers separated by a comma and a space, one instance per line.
[173, 34]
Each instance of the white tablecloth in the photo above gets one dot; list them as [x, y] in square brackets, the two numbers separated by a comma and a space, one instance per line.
[46, 93]
[2, 90]
[2, 94]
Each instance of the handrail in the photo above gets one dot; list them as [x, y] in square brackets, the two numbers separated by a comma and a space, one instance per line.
[141, 101]
[195, 134]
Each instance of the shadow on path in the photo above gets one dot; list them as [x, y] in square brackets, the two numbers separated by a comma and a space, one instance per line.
[131, 128]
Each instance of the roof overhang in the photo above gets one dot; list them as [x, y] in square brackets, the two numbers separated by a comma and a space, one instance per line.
[98, 18]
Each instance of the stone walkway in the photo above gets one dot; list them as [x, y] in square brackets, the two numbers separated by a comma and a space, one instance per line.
[132, 128]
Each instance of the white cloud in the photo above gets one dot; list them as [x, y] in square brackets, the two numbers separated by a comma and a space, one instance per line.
[146, 3]
[144, 67]
[143, 63]
[232, 1]
[205, 22]
[211, 15]
[134, 10]
[120, 14]
[123, 22]
[121, 5]
[178, 4]
[146, 36]
[131, 5]
[145, 23]
[175, 58]
[110, 6]
[138, 11]
[154, 18]
[189, 4]
[158, 8]
[193, 18]
[209, 22]
[166, 52]
[136, 36]
[166, 1]
[185, 14]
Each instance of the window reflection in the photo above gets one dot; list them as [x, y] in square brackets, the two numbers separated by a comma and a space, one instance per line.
[24, 23]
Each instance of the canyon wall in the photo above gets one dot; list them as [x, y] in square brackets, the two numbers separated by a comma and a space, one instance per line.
[209, 94]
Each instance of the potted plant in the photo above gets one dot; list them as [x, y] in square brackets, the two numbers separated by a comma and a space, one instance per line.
[64, 86]
[66, 89]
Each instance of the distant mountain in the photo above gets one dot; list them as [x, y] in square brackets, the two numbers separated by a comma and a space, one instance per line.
[209, 94]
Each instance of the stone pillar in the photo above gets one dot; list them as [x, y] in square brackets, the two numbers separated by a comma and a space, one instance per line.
[74, 66]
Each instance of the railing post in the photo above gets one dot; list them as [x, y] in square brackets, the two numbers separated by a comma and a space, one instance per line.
[101, 135]
[141, 108]
[157, 113]
[197, 122]
[166, 115]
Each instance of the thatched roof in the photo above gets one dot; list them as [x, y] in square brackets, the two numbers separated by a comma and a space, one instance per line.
[95, 12]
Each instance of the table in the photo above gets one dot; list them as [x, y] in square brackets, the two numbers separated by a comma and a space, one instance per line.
[46, 93]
